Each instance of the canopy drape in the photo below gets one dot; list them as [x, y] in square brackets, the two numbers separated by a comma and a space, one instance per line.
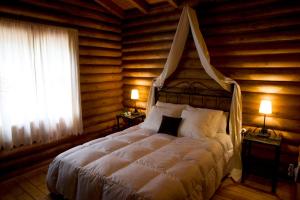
[188, 19]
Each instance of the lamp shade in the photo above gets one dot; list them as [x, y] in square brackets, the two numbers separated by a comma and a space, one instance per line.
[134, 94]
[265, 107]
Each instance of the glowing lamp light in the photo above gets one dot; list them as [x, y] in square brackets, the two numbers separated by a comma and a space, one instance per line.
[134, 94]
[265, 108]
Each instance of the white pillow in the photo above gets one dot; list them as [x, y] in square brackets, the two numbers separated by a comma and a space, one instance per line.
[222, 124]
[199, 122]
[153, 120]
[178, 108]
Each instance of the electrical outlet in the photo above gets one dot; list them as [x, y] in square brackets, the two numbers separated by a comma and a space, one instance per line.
[291, 170]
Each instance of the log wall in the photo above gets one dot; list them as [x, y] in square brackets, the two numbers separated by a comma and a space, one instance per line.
[99, 52]
[255, 43]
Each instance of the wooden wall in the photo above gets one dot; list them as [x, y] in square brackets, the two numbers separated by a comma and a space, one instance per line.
[256, 43]
[99, 49]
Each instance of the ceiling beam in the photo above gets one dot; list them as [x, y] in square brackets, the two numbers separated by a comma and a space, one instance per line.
[173, 3]
[141, 5]
[111, 7]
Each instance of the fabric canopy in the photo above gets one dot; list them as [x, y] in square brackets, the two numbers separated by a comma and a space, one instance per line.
[188, 20]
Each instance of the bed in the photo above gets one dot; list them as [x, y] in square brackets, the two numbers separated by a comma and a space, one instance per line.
[140, 163]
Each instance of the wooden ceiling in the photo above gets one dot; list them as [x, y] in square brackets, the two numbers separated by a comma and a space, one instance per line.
[118, 7]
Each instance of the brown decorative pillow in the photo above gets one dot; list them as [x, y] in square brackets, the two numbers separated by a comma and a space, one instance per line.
[169, 125]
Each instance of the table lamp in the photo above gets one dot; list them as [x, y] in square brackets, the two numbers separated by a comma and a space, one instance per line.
[135, 97]
[265, 108]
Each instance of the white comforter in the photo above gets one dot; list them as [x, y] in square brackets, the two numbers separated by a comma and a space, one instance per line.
[140, 164]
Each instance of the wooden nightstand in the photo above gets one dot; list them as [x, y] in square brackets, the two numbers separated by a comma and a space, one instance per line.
[130, 120]
[256, 163]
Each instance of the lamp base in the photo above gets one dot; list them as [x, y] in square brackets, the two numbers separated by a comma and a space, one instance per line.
[264, 133]
[135, 111]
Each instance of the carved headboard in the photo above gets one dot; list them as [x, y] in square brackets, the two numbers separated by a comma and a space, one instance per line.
[195, 94]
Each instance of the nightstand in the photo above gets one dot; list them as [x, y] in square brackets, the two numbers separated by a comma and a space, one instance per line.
[263, 165]
[130, 120]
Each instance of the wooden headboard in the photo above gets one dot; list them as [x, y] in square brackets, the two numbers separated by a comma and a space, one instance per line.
[195, 94]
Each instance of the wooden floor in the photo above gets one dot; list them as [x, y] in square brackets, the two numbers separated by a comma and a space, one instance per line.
[31, 185]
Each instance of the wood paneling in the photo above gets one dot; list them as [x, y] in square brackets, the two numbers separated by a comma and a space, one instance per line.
[255, 43]
[99, 52]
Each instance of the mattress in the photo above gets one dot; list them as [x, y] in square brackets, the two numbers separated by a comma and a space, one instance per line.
[140, 164]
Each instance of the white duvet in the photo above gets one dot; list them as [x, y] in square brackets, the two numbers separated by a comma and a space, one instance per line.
[141, 164]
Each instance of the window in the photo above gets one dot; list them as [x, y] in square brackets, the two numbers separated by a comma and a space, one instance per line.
[39, 89]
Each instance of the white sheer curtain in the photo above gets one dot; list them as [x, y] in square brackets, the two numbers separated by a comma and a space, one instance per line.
[39, 87]
[188, 20]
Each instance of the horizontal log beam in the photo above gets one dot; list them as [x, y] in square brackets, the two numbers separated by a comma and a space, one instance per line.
[95, 120]
[93, 87]
[102, 102]
[277, 99]
[165, 36]
[151, 29]
[156, 64]
[33, 159]
[91, 60]
[101, 110]
[270, 87]
[142, 74]
[99, 78]
[253, 38]
[261, 61]
[101, 94]
[267, 25]
[138, 81]
[152, 19]
[91, 42]
[92, 33]
[242, 16]
[270, 74]
[100, 127]
[164, 45]
[90, 51]
[278, 49]
[100, 69]
[149, 55]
